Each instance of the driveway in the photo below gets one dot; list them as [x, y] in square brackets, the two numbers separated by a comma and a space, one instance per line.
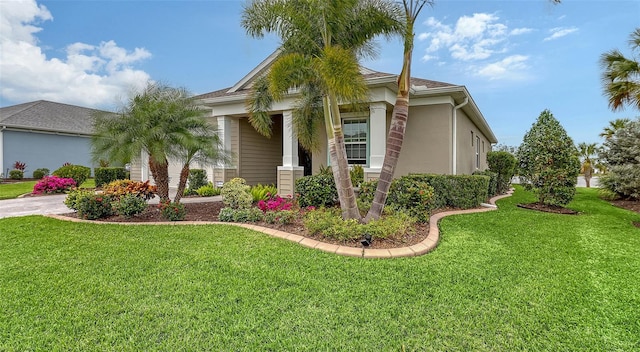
[54, 204]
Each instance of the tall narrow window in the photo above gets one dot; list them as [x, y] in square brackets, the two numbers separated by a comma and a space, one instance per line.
[356, 133]
[477, 152]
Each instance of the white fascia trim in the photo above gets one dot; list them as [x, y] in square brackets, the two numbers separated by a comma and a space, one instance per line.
[251, 75]
[47, 131]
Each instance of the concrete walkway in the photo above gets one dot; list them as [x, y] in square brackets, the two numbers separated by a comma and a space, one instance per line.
[424, 247]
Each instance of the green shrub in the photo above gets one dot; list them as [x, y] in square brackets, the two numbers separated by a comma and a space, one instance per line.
[208, 190]
[504, 164]
[329, 223]
[172, 211]
[16, 174]
[357, 175]
[493, 182]
[236, 195]
[548, 161]
[197, 179]
[78, 173]
[260, 192]
[129, 205]
[456, 191]
[621, 155]
[406, 194]
[71, 201]
[228, 214]
[316, 190]
[93, 206]
[40, 173]
[105, 175]
[280, 217]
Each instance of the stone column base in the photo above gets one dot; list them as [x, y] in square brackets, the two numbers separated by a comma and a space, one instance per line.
[371, 174]
[222, 175]
[287, 176]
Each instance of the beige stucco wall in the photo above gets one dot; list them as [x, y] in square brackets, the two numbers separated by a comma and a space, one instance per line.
[427, 142]
[319, 158]
[259, 156]
[466, 145]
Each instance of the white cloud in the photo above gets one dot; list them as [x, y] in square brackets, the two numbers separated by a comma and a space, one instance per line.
[560, 32]
[475, 37]
[89, 75]
[510, 67]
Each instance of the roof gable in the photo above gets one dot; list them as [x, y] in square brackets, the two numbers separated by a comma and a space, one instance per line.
[45, 115]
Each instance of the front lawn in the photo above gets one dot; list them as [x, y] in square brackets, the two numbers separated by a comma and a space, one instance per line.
[511, 279]
[12, 190]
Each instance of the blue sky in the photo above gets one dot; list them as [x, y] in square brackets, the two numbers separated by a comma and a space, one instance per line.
[517, 58]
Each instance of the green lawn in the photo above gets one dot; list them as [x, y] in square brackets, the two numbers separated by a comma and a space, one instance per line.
[15, 189]
[512, 279]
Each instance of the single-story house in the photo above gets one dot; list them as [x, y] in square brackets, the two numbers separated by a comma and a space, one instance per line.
[44, 134]
[446, 134]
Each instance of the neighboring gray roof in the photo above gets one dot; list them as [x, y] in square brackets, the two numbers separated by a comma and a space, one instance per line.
[45, 115]
[368, 75]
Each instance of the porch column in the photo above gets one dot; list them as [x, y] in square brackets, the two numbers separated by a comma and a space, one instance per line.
[223, 172]
[290, 171]
[377, 140]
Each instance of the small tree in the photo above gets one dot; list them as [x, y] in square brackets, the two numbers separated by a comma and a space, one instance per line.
[621, 154]
[548, 161]
[504, 164]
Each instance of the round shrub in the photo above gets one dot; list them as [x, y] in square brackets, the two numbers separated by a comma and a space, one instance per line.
[40, 173]
[172, 211]
[16, 174]
[71, 201]
[53, 184]
[236, 194]
[316, 190]
[504, 164]
[94, 206]
[78, 173]
[130, 205]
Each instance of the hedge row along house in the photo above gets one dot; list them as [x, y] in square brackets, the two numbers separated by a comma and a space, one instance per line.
[446, 134]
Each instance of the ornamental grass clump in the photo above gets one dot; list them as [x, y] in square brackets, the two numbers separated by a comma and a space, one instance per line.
[53, 184]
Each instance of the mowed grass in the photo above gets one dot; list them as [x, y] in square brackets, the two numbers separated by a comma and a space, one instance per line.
[511, 279]
[14, 189]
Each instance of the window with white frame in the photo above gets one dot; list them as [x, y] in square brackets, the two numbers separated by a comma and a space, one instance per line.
[356, 134]
[477, 152]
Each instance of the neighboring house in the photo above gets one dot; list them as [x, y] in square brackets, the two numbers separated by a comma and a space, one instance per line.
[446, 134]
[44, 134]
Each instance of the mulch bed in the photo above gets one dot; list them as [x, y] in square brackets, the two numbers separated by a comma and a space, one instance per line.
[208, 211]
[548, 208]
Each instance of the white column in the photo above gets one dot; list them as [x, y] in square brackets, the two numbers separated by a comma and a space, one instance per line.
[144, 166]
[378, 135]
[224, 132]
[289, 141]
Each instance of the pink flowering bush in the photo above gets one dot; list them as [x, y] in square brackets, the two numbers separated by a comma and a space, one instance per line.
[53, 184]
[276, 203]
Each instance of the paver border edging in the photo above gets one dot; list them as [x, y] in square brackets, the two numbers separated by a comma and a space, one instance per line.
[424, 247]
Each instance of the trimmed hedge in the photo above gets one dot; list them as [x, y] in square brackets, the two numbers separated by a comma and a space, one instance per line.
[493, 181]
[456, 191]
[78, 173]
[316, 190]
[105, 175]
[406, 194]
[504, 164]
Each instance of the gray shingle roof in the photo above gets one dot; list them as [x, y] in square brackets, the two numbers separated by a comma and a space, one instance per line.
[369, 74]
[45, 115]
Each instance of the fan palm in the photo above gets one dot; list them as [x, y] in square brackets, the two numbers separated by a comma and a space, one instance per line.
[586, 151]
[321, 44]
[621, 76]
[163, 122]
[614, 125]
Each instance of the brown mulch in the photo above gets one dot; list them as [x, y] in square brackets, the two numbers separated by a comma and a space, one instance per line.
[208, 211]
[633, 205]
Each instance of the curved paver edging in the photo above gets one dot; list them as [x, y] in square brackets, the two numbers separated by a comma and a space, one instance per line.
[424, 247]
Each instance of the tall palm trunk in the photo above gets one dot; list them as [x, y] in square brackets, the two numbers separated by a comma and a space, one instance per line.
[160, 173]
[184, 175]
[397, 129]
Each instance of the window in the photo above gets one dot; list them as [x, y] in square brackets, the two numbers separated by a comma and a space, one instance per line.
[477, 152]
[356, 133]
[472, 138]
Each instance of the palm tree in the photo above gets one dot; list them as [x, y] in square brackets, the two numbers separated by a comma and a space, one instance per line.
[163, 122]
[621, 76]
[321, 44]
[586, 152]
[400, 113]
[614, 125]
